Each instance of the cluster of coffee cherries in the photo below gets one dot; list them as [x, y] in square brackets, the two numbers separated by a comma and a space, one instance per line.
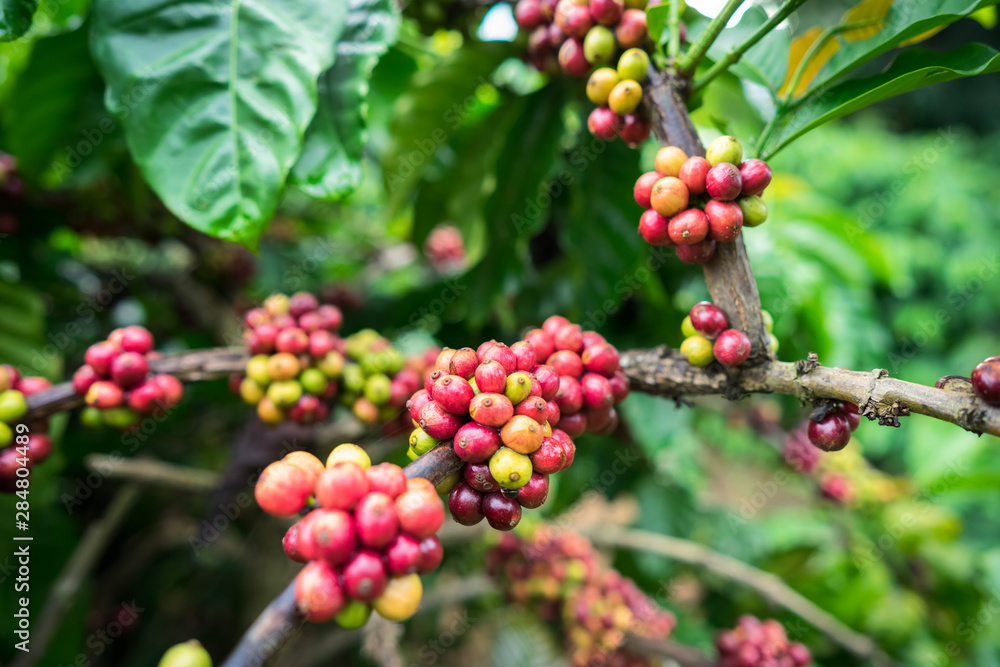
[986, 380]
[21, 445]
[373, 532]
[692, 203]
[708, 338]
[117, 384]
[377, 378]
[577, 35]
[562, 578]
[756, 643]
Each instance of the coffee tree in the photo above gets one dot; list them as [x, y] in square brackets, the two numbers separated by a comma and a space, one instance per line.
[252, 182]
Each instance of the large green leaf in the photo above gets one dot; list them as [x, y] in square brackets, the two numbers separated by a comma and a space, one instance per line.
[912, 69]
[330, 164]
[766, 61]
[215, 98]
[43, 113]
[15, 18]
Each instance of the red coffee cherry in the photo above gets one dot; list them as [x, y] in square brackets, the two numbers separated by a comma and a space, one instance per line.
[693, 174]
[491, 410]
[731, 348]
[644, 187]
[756, 175]
[476, 443]
[533, 494]
[282, 489]
[431, 554]
[688, 227]
[377, 520]
[332, 535]
[479, 477]
[453, 393]
[501, 512]
[403, 555]
[365, 576]
[654, 229]
[341, 486]
[465, 504]
[699, 253]
[438, 422]
[387, 478]
[420, 513]
[318, 594]
[549, 458]
[830, 434]
[708, 319]
[725, 220]
[723, 182]
[502, 354]
[541, 342]
[986, 380]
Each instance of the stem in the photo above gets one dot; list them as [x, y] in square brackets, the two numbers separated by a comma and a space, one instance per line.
[151, 471]
[705, 40]
[675, 31]
[735, 53]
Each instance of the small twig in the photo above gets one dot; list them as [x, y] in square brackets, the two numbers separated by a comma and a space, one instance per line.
[765, 583]
[151, 471]
[674, 47]
[735, 53]
[88, 551]
[705, 40]
[814, 48]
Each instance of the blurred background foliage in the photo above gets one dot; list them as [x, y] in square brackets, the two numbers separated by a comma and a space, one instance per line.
[880, 251]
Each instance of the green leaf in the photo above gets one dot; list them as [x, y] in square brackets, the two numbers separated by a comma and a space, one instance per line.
[766, 61]
[43, 113]
[15, 18]
[912, 69]
[330, 164]
[215, 98]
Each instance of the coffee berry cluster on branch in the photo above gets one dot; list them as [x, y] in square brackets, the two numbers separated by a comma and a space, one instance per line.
[370, 536]
[561, 577]
[21, 445]
[117, 384]
[756, 643]
[575, 36]
[830, 427]
[708, 338]
[694, 202]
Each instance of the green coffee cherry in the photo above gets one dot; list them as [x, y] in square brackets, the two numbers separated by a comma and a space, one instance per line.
[314, 381]
[599, 45]
[332, 364]
[633, 65]
[687, 328]
[119, 417]
[768, 321]
[251, 391]
[518, 387]
[625, 97]
[257, 369]
[354, 378]
[754, 210]
[353, 615]
[698, 350]
[284, 394]
[600, 85]
[378, 389]
[510, 469]
[412, 455]
[725, 149]
[420, 442]
[773, 341]
[91, 417]
[475, 387]
[13, 406]
[188, 654]
[6, 435]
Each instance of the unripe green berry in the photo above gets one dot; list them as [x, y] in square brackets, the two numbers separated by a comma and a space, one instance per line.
[518, 387]
[773, 341]
[354, 378]
[768, 320]
[378, 389]
[510, 469]
[6, 435]
[353, 615]
[633, 65]
[314, 381]
[257, 369]
[475, 387]
[188, 654]
[284, 394]
[411, 454]
[420, 442]
[599, 45]
[697, 350]
[13, 406]
[91, 417]
[725, 149]
[120, 417]
[600, 85]
[332, 364]
[754, 210]
[251, 391]
[687, 328]
[625, 97]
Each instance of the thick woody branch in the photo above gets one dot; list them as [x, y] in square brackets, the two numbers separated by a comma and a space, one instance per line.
[728, 274]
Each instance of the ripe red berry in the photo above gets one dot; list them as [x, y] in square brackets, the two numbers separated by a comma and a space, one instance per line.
[569, 398]
[654, 229]
[290, 544]
[986, 380]
[332, 317]
[453, 393]
[708, 319]
[725, 220]
[607, 12]
[282, 489]
[522, 434]
[699, 253]
[84, 377]
[548, 380]
[491, 378]
[635, 129]
[491, 409]
[756, 175]
[465, 504]
[572, 59]
[731, 348]
[387, 478]
[830, 434]
[565, 362]
[479, 477]
[535, 408]
[693, 174]
[723, 182]
[104, 395]
[554, 323]
[603, 123]
[644, 186]
[596, 391]
[421, 513]
[172, 388]
[136, 339]
[438, 422]
[321, 343]
[601, 358]
[261, 340]
[318, 594]
[688, 227]
[502, 354]
[431, 553]
[501, 512]
[129, 369]
[569, 337]
[631, 30]
[463, 363]
[39, 448]
[443, 362]
[850, 410]
[619, 386]
[146, 398]
[255, 317]
[574, 424]
[365, 576]
[574, 19]
[554, 413]
[341, 486]
[602, 421]
[332, 535]
[476, 443]
[533, 494]
[524, 353]
[549, 458]
[100, 355]
[417, 401]
[376, 520]
[292, 340]
[542, 342]
[528, 14]
[402, 555]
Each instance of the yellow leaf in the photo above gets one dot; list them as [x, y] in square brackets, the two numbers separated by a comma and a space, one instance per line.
[866, 10]
[922, 36]
[800, 46]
